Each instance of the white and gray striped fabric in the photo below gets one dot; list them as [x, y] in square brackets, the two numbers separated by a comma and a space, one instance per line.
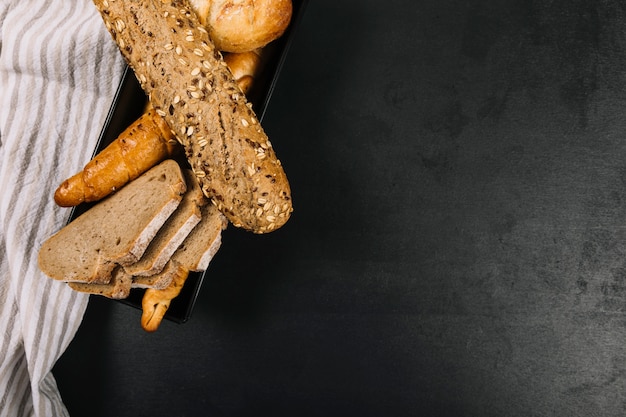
[59, 70]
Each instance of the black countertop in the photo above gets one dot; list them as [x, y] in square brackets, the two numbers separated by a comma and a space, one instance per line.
[458, 243]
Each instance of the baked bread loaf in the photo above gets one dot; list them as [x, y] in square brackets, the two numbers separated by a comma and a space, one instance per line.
[243, 25]
[194, 254]
[190, 85]
[173, 232]
[116, 230]
[142, 145]
[245, 67]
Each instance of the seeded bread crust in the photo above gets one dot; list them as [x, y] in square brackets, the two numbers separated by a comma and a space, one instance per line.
[190, 85]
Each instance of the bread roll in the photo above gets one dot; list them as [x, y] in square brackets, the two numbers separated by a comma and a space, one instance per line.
[243, 25]
[190, 85]
[245, 67]
[142, 145]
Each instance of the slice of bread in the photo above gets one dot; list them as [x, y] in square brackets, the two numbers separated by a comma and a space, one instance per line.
[205, 239]
[173, 232]
[159, 280]
[117, 288]
[117, 230]
[194, 254]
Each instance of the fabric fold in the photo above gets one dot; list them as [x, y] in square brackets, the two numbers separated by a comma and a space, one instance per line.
[59, 71]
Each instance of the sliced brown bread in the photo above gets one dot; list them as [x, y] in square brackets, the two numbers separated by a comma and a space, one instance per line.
[117, 288]
[173, 232]
[116, 230]
[159, 280]
[194, 254]
[198, 249]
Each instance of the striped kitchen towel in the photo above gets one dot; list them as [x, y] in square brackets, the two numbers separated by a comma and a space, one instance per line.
[59, 70]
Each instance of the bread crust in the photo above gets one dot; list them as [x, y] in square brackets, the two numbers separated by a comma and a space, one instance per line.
[155, 302]
[138, 148]
[245, 67]
[243, 25]
[191, 87]
[193, 255]
[117, 288]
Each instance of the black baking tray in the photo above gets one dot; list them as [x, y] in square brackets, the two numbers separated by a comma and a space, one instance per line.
[130, 103]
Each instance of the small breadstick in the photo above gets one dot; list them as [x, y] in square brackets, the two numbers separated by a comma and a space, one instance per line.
[141, 146]
[155, 303]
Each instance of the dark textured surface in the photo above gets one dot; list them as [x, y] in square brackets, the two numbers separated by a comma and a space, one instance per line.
[457, 246]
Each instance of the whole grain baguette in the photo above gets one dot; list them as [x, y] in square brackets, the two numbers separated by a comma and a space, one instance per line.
[189, 84]
[138, 148]
[146, 142]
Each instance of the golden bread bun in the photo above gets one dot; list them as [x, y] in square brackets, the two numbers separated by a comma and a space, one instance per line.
[244, 67]
[201, 7]
[243, 25]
